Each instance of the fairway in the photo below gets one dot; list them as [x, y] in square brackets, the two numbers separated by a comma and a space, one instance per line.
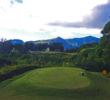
[59, 77]
[56, 83]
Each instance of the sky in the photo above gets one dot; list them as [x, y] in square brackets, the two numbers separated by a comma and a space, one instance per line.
[45, 19]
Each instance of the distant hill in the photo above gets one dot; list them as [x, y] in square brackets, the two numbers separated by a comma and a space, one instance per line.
[70, 43]
[15, 41]
[76, 42]
[67, 43]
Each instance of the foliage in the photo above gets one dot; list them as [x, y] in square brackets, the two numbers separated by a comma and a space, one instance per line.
[106, 29]
[96, 57]
[16, 62]
[19, 47]
[28, 46]
[8, 72]
[104, 46]
[88, 60]
[56, 47]
[105, 41]
[5, 47]
[4, 62]
[83, 46]
[41, 47]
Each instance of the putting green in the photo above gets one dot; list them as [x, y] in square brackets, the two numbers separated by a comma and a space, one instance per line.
[59, 77]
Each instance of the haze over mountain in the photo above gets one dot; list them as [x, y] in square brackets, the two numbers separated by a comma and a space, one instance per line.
[67, 43]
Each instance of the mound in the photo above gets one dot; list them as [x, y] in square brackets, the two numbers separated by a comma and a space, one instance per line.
[57, 83]
[59, 77]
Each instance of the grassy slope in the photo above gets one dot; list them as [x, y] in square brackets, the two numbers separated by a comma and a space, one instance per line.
[27, 87]
[61, 77]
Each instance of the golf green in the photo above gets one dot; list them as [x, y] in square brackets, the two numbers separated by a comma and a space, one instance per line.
[59, 77]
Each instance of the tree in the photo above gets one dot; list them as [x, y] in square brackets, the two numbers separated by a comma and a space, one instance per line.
[41, 47]
[105, 46]
[19, 47]
[57, 46]
[28, 46]
[106, 29]
[6, 47]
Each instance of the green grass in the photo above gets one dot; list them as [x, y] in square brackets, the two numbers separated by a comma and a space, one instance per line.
[60, 83]
[61, 77]
[44, 52]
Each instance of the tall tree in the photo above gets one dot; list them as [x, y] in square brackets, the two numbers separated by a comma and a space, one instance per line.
[105, 45]
[6, 47]
[57, 46]
[19, 47]
[28, 46]
[106, 29]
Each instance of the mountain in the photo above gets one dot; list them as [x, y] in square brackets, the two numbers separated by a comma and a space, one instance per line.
[76, 42]
[15, 41]
[70, 43]
[67, 43]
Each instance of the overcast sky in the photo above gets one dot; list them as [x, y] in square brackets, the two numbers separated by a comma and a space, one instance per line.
[45, 19]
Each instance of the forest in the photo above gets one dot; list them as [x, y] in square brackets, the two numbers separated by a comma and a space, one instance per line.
[19, 58]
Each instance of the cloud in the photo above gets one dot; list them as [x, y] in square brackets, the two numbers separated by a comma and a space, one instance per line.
[21, 18]
[2, 9]
[7, 5]
[18, 1]
[96, 19]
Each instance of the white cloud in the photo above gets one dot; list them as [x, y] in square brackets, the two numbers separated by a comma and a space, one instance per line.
[60, 32]
[72, 32]
[33, 15]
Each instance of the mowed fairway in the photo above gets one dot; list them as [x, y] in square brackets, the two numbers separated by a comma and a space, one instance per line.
[60, 78]
[56, 83]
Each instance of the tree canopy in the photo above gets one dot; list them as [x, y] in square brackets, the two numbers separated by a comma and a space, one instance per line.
[106, 29]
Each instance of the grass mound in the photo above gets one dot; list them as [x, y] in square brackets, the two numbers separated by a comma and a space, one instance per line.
[58, 83]
[59, 77]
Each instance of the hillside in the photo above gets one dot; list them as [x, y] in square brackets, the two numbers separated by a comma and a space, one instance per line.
[79, 41]
[15, 41]
[67, 43]
[70, 43]
[56, 83]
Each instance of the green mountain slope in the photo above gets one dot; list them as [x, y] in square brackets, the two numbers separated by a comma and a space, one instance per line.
[67, 43]
[70, 43]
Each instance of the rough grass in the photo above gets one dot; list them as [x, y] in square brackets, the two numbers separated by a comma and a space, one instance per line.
[27, 86]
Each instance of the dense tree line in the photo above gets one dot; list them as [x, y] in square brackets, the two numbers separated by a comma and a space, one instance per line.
[7, 47]
[83, 46]
[104, 46]
[10, 54]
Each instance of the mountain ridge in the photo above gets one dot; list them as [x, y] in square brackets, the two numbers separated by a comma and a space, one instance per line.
[15, 41]
[67, 43]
